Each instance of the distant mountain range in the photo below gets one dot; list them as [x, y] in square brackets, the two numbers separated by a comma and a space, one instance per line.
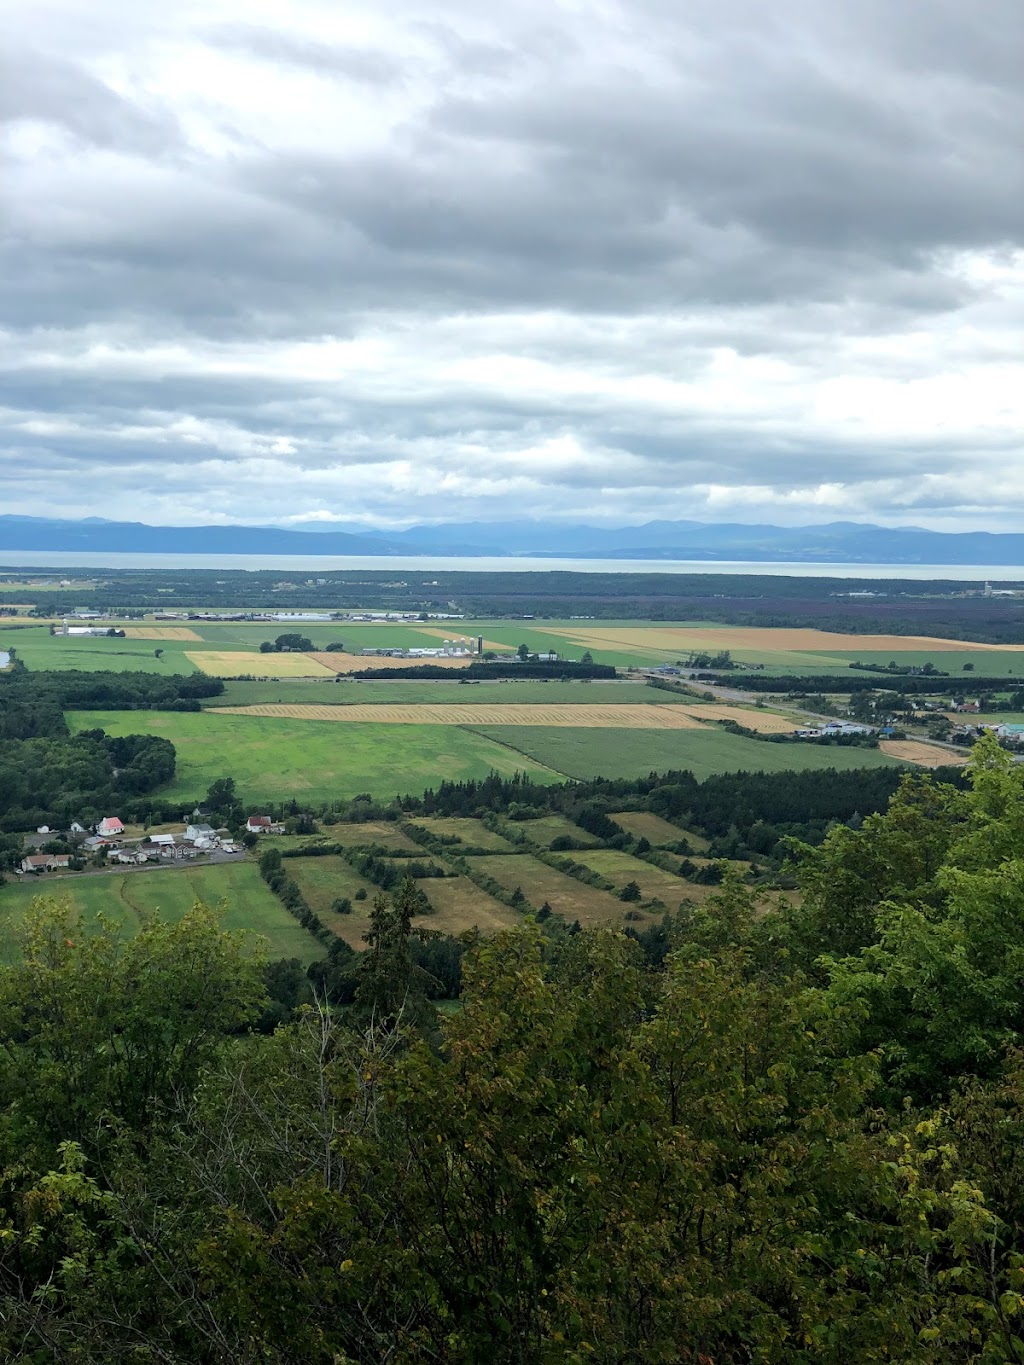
[840, 542]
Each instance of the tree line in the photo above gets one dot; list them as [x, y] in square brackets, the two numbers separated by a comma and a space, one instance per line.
[792, 1136]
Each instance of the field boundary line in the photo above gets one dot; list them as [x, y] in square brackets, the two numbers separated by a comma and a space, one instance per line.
[506, 744]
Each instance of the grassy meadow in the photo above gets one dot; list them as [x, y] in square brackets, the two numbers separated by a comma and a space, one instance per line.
[587, 753]
[170, 892]
[327, 692]
[540, 883]
[273, 760]
[655, 883]
[548, 827]
[471, 832]
[643, 824]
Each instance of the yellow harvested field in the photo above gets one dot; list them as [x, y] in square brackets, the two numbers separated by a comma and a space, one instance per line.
[617, 717]
[231, 663]
[161, 633]
[764, 638]
[765, 722]
[924, 755]
[355, 663]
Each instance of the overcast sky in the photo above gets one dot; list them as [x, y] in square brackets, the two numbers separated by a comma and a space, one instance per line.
[720, 259]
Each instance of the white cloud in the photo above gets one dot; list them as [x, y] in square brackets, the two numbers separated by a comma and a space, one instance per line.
[589, 260]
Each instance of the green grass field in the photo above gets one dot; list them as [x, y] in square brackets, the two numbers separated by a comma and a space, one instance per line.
[472, 833]
[565, 895]
[380, 832]
[327, 692]
[587, 754]
[274, 759]
[550, 827]
[38, 649]
[322, 881]
[170, 892]
[655, 884]
[459, 905]
[988, 663]
[643, 825]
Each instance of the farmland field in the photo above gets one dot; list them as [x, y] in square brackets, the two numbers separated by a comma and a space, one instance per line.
[472, 833]
[230, 663]
[760, 639]
[160, 633]
[460, 905]
[644, 825]
[322, 881]
[355, 663]
[764, 721]
[38, 649]
[565, 895]
[987, 661]
[548, 827]
[272, 760]
[654, 882]
[384, 833]
[924, 755]
[585, 753]
[169, 891]
[639, 716]
[404, 691]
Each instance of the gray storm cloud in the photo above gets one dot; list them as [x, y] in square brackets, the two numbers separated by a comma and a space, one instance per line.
[608, 261]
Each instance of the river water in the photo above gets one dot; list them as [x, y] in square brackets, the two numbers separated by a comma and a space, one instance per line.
[968, 573]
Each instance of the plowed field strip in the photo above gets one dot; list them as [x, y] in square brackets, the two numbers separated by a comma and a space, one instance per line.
[161, 633]
[769, 638]
[620, 717]
[234, 663]
[355, 663]
[925, 755]
[767, 722]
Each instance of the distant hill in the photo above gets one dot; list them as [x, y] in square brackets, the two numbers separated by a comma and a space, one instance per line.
[835, 543]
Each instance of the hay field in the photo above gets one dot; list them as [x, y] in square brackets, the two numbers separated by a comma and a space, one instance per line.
[622, 717]
[272, 760]
[161, 633]
[229, 663]
[548, 827]
[459, 905]
[589, 753]
[322, 881]
[382, 832]
[654, 882]
[924, 755]
[644, 824]
[765, 722]
[170, 892]
[757, 639]
[540, 883]
[472, 833]
[355, 663]
[468, 636]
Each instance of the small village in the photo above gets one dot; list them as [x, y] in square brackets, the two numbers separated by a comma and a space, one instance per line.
[108, 844]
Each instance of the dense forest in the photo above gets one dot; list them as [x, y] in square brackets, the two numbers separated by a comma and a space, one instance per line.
[784, 1137]
[56, 780]
[32, 704]
[48, 777]
[861, 606]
